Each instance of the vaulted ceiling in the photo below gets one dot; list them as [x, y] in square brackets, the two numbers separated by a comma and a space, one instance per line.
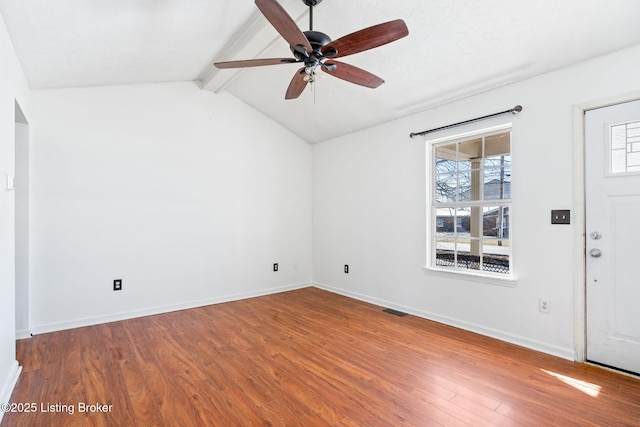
[455, 48]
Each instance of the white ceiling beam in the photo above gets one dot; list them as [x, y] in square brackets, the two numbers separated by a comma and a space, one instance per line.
[254, 38]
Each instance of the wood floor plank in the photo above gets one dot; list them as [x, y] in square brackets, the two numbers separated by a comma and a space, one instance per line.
[306, 358]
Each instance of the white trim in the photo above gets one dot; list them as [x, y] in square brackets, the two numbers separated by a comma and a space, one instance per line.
[610, 100]
[9, 384]
[22, 334]
[579, 216]
[464, 135]
[554, 350]
[487, 278]
[96, 320]
[579, 224]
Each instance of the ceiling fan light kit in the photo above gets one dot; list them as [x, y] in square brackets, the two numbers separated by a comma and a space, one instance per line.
[315, 49]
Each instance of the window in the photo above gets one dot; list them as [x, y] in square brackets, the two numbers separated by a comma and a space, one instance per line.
[471, 200]
[624, 148]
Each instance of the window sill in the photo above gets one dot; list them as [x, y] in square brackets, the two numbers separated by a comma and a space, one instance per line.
[489, 279]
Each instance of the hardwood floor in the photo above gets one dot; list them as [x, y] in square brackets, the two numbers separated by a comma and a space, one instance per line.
[305, 358]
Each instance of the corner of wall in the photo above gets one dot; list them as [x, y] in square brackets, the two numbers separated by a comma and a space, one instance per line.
[9, 385]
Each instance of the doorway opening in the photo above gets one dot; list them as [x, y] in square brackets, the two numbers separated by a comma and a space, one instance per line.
[21, 183]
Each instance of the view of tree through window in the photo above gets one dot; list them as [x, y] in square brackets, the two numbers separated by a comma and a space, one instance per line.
[471, 204]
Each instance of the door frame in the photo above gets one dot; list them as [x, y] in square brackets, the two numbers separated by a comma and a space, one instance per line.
[579, 216]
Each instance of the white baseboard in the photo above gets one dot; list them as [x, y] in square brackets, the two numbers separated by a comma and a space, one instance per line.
[22, 334]
[114, 317]
[9, 384]
[554, 350]
[562, 352]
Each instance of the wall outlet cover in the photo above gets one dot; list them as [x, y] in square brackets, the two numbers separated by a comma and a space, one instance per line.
[544, 305]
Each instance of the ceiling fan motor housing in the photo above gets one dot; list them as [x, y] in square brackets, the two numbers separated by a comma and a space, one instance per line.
[311, 3]
[317, 40]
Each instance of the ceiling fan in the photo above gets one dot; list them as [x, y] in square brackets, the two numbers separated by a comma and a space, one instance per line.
[315, 49]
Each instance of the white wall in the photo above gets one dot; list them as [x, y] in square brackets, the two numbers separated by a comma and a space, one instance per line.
[185, 195]
[369, 209]
[12, 87]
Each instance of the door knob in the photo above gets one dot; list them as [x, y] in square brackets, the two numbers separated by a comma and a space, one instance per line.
[595, 253]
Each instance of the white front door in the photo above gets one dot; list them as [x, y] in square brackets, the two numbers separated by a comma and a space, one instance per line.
[612, 176]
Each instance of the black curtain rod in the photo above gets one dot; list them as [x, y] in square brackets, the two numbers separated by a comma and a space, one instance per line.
[514, 110]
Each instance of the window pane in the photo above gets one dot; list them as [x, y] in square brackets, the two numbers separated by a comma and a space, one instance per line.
[446, 244]
[464, 191]
[618, 137]
[497, 183]
[495, 255]
[445, 222]
[618, 161]
[497, 161]
[445, 253]
[633, 159]
[446, 152]
[471, 149]
[464, 165]
[467, 261]
[445, 166]
[463, 221]
[446, 188]
[497, 145]
[496, 246]
[624, 147]
[495, 221]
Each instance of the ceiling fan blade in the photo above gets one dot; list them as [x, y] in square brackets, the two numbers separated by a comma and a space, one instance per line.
[283, 23]
[352, 74]
[297, 85]
[254, 62]
[368, 38]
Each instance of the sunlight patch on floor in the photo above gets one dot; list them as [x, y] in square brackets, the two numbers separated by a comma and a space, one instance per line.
[592, 390]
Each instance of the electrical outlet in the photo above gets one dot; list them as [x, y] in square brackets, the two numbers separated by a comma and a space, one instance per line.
[117, 285]
[544, 305]
[346, 269]
[275, 266]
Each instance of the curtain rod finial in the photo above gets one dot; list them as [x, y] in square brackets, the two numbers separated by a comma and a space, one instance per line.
[516, 109]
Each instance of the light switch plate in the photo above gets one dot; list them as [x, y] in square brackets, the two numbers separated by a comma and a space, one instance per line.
[10, 182]
[560, 217]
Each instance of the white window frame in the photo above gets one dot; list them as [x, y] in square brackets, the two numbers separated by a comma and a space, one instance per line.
[484, 276]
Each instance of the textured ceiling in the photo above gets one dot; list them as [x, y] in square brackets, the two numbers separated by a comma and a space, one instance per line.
[455, 48]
